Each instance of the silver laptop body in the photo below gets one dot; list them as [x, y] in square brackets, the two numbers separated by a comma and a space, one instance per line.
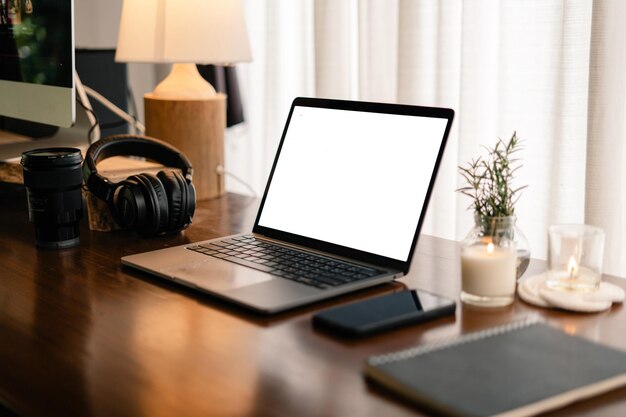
[350, 182]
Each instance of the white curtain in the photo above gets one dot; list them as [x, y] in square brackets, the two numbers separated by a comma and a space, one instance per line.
[554, 71]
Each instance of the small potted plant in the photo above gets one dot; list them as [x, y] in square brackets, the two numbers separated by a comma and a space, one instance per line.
[490, 186]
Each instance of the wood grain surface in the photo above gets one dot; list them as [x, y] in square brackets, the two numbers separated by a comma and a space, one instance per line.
[82, 336]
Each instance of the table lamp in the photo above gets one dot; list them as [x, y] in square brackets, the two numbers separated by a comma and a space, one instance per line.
[184, 108]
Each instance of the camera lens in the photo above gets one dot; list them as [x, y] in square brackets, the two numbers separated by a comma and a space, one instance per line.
[53, 181]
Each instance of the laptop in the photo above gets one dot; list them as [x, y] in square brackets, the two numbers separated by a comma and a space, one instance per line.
[342, 209]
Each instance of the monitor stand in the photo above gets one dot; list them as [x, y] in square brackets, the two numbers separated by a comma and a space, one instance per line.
[7, 138]
[12, 145]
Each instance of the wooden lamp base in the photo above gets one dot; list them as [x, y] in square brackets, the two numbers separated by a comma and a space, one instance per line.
[196, 128]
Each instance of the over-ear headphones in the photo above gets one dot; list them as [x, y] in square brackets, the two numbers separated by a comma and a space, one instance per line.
[149, 204]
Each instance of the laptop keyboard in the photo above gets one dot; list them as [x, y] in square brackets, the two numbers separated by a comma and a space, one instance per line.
[304, 267]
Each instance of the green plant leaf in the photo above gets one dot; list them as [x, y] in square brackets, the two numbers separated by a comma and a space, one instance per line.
[489, 179]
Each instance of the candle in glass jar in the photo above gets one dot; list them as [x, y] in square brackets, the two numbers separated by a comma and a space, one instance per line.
[573, 277]
[488, 271]
[575, 255]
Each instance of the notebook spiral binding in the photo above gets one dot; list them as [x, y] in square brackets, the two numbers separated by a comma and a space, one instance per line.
[451, 342]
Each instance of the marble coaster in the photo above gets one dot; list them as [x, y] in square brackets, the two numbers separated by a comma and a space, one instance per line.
[534, 291]
[528, 290]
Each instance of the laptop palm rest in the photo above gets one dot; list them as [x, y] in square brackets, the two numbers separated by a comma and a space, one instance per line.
[214, 276]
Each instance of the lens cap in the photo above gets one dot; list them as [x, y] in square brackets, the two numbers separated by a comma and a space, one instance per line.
[51, 157]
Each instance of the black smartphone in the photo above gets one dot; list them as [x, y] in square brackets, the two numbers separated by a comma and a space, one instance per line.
[386, 312]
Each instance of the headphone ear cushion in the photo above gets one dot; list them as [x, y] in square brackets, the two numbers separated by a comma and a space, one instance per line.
[191, 201]
[174, 186]
[127, 203]
[157, 210]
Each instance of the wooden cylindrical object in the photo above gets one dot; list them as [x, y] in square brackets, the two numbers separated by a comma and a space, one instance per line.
[196, 128]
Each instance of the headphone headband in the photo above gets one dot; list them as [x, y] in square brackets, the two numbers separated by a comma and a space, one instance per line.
[129, 145]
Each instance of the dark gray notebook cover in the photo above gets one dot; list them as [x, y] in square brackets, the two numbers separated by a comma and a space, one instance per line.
[516, 370]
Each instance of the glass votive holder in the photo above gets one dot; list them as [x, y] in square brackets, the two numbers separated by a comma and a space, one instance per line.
[575, 257]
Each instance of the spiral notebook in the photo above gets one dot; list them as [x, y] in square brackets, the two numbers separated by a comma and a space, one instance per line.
[520, 369]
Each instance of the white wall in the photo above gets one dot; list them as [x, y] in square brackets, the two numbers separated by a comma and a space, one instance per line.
[96, 23]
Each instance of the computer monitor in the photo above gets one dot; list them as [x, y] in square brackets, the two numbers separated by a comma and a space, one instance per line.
[37, 61]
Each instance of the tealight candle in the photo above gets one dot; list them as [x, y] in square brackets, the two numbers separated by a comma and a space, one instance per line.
[488, 274]
[575, 256]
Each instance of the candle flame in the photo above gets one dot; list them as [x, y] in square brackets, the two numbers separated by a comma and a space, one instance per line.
[570, 328]
[490, 248]
[572, 267]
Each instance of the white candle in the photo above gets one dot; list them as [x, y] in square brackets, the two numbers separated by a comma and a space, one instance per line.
[488, 271]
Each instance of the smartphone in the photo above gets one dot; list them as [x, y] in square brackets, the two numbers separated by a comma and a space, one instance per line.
[374, 315]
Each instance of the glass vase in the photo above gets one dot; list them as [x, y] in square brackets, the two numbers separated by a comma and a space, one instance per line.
[494, 255]
[505, 226]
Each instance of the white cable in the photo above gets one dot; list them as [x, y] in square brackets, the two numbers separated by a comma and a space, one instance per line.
[221, 171]
[80, 89]
[136, 124]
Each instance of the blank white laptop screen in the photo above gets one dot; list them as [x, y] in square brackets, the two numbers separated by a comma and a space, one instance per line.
[356, 179]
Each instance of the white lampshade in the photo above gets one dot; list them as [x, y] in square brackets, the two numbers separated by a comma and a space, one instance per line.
[185, 33]
[177, 31]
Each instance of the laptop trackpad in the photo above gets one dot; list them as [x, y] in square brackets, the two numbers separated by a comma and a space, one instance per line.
[216, 274]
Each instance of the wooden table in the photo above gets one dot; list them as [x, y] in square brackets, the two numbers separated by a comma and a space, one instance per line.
[82, 336]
